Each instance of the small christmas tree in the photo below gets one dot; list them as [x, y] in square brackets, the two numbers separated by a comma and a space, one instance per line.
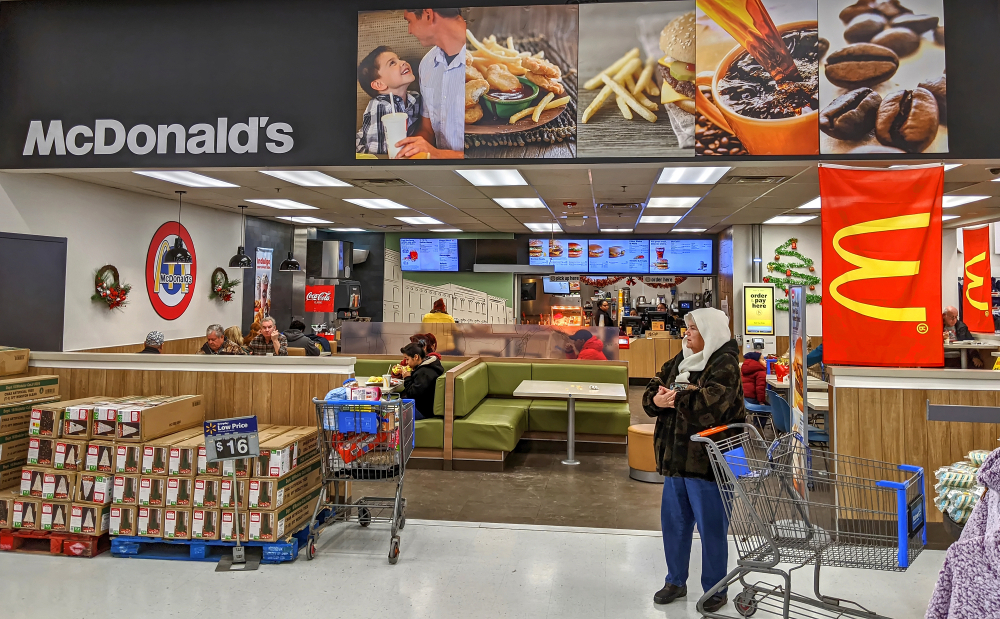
[790, 276]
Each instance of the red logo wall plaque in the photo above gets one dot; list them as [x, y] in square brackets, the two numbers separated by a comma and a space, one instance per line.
[319, 299]
[170, 286]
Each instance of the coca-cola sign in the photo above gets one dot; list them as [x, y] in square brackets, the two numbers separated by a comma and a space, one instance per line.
[319, 299]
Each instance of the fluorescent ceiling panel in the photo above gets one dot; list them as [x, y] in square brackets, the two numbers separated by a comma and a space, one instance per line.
[347, 230]
[378, 204]
[947, 217]
[306, 178]
[691, 175]
[543, 227]
[616, 229]
[290, 205]
[688, 229]
[188, 179]
[519, 202]
[420, 221]
[493, 178]
[306, 220]
[790, 219]
[445, 230]
[952, 201]
[814, 203]
[672, 202]
[659, 219]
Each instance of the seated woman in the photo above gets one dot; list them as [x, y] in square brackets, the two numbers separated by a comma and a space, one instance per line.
[754, 376]
[430, 343]
[420, 379]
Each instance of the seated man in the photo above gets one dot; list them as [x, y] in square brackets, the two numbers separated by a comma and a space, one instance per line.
[153, 344]
[957, 332]
[217, 344]
[298, 339]
[269, 341]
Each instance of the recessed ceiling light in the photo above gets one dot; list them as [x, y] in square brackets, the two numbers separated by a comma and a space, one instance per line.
[659, 219]
[492, 178]
[306, 178]
[375, 203]
[672, 202]
[419, 221]
[691, 175]
[616, 229]
[790, 219]
[947, 166]
[543, 227]
[188, 179]
[347, 230]
[814, 203]
[283, 204]
[305, 220]
[519, 202]
[947, 217]
[952, 201]
[445, 230]
[688, 230]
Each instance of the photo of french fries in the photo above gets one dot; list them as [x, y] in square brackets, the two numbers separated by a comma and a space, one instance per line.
[628, 79]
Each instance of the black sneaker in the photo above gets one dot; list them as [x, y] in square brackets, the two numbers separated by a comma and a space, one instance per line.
[716, 602]
[669, 593]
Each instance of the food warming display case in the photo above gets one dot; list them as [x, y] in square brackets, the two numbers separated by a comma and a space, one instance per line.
[567, 315]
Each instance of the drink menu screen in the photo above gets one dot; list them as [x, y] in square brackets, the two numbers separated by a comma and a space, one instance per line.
[429, 254]
[682, 257]
[618, 256]
[567, 256]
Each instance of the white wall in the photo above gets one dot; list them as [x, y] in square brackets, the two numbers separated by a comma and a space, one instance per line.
[110, 226]
[810, 245]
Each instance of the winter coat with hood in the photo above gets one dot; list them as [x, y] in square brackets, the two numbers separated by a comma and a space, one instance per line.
[754, 380]
[419, 386]
[714, 397]
[297, 339]
[593, 350]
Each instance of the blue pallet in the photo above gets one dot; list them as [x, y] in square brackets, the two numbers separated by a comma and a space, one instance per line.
[132, 547]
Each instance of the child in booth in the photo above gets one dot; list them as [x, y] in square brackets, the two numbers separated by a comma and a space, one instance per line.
[385, 77]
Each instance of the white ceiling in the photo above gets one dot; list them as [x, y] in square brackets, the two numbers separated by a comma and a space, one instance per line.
[441, 193]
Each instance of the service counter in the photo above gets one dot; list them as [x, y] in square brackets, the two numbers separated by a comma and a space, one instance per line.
[647, 355]
[278, 390]
[881, 413]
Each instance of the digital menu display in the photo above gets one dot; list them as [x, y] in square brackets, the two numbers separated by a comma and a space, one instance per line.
[567, 256]
[685, 257]
[618, 256]
[429, 254]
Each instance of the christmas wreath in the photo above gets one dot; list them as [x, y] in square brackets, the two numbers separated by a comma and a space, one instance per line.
[222, 286]
[792, 278]
[109, 289]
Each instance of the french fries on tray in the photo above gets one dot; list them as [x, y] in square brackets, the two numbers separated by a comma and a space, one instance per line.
[629, 80]
[499, 64]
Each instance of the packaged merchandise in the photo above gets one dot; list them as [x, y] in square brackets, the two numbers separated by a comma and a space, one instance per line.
[152, 491]
[156, 453]
[13, 360]
[32, 481]
[204, 466]
[16, 417]
[281, 454]
[243, 468]
[100, 457]
[227, 498]
[272, 493]
[205, 524]
[957, 489]
[128, 457]
[58, 485]
[10, 474]
[95, 488]
[180, 491]
[123, 520]
[978, 456]
[264, 431]
[367, 394]
[89, 519]
[26, 513]
[70, 454]
[227, 526]
[55, 516]
[150, 521]
[176, 523]
[7, 499]
[104, 420]
[271, 525]
[126, 491]
[16, 447]
[28, 388]
[76, 418]
[206, 491]
[152, 419]
[184, 456]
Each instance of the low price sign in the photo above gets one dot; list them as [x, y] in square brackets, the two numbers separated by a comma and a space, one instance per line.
[231, 439]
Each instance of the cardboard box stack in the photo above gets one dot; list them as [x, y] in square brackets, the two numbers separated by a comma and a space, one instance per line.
[195, 499]
[71, 451]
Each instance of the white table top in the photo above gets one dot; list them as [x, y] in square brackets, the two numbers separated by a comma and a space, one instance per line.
[972, 344]
[578, 391]
[818, 401]
[812, 384]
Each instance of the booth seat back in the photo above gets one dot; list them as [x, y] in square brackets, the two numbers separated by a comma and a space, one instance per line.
[471, 386]
[505, 377]
[363, 368]
[579, 372]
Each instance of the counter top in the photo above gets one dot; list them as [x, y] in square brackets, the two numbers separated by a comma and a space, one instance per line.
[192, 363]
[913, 378]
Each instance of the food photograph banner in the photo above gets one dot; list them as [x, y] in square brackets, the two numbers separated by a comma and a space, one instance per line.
[882, 265]
[977, 297]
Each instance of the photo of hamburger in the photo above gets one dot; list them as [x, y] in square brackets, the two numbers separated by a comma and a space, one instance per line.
[535, 248]
[555, 249]
[616, 252]
[677, 66]
[596, 251]
[575, 250]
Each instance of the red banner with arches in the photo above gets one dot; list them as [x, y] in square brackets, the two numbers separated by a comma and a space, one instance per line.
[977, 282]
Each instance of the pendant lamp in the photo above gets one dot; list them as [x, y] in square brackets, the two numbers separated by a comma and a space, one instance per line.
[290, 263]
[241, 260]
[178, 254]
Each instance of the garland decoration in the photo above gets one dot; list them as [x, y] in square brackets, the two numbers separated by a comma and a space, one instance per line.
[108, 288]
[222, 287]
[792, 277]
[602, 282]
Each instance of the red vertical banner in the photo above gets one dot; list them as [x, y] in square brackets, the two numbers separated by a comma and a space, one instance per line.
[882, 266]
[977, 282]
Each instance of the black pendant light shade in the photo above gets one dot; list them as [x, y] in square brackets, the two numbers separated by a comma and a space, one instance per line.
[241, 260]
[289, 264]
[177, 254]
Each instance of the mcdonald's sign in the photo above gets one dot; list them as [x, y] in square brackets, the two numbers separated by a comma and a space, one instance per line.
[976, 283]
[882, 265]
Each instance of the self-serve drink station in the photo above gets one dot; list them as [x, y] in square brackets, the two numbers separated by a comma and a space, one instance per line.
[758, 319]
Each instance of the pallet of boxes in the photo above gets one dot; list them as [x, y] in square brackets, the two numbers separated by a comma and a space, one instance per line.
[169, 502]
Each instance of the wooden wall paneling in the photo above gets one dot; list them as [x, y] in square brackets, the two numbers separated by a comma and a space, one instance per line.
[187, 383]
[962, 434]
[242, 394]
[848, 440]
[915, 435]
[643, 359]
[870, 420]
[204, 385]
[664, 352]
[893, 445]
[625, 354]
[938, 441]
[150, 383]
[78, 384]
[300, 400]
[133, 382]
[223, 392]
[115, 383]
[281, 385]
[260, 385]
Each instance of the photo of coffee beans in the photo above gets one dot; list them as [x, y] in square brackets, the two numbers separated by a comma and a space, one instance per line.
[903, 41]
[861, 64]
[851, 116]
[908, 119]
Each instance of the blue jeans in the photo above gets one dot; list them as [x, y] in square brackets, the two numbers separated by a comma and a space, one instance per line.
[686, 501]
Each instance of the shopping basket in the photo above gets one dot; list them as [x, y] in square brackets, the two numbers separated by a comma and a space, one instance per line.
[788, 503]
[364, 441]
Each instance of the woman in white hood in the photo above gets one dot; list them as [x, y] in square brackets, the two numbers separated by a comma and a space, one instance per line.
[698, 389]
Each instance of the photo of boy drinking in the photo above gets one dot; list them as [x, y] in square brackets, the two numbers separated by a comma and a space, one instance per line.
[385, 78]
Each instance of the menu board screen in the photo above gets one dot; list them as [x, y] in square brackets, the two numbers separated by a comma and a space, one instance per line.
[567, 256]
[618, 256]
[429, 254]
[682, 257]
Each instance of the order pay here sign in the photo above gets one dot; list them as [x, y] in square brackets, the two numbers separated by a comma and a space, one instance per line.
[231, 439]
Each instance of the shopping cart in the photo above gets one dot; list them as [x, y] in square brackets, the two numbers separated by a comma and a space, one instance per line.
[363, 441]
[791, 504]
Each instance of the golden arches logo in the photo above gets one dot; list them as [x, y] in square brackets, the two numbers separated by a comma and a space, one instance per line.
[875, 268]
[166, 271]
[975, 281]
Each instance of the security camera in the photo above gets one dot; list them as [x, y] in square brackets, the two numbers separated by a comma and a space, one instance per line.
[994, 171]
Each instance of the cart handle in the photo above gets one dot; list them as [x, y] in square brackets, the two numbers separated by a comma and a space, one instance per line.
[711, 431]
